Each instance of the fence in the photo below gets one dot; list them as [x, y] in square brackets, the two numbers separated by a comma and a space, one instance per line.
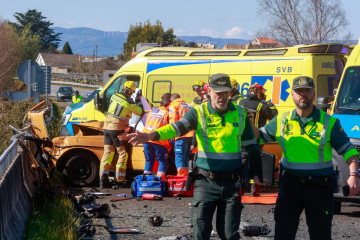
[18, 187]
[79, 78]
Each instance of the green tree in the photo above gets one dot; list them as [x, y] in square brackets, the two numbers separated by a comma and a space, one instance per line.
[38, 25]
[66, 49]
[146, 33]
[10, 55]
[30, 44]
[179, 42]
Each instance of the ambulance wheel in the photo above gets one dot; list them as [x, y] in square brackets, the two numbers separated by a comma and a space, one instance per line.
[82, 169]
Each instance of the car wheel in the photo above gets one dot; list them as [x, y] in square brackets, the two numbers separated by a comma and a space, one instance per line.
[82, 169]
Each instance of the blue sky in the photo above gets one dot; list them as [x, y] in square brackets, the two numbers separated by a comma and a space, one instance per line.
[225, 18]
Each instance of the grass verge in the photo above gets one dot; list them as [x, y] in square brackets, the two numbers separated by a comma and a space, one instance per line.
[55, 218]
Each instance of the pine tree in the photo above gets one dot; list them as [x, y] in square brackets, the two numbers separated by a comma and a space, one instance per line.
[38, 25]
[66, 49]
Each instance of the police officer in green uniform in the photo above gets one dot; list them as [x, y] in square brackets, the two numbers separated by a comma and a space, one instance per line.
[221, 129]
[307, 136]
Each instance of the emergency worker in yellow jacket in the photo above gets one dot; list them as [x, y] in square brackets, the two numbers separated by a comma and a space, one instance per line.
[221, 129]
[307, 137]
[117, 119]
[198, 87]
[76, 97]
[157, 118]
[235, 94]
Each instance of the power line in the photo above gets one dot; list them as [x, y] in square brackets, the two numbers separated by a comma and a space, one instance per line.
[93, 46]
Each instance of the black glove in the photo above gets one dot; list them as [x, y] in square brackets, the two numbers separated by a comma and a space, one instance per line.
[138, 100]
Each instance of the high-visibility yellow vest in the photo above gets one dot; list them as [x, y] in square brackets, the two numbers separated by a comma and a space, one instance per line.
[219, 142]
[119, 106]
[308, 151]
[75, 99]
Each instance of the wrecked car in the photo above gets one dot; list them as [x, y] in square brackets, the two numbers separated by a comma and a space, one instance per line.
[78, 157]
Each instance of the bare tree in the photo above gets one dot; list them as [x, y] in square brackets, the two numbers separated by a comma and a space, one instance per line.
[10, 54]
[303, 21]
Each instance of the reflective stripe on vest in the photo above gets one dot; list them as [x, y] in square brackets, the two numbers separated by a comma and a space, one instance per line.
[117, 103]
[157, 118]
[213, 153]
[296, 146]
[258, 114]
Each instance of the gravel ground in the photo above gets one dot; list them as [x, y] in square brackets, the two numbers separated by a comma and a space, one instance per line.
[131, 213]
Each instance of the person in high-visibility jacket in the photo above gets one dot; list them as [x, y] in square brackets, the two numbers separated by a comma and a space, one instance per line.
[117, 119]
[307, 136]
[76, 97]
[198, 87]
[221, 129]
[157, 118]
[235, 94]
[177, 109]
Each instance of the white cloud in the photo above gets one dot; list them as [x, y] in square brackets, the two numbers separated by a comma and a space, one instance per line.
[180, 32]
[234, 32]
[208, 32]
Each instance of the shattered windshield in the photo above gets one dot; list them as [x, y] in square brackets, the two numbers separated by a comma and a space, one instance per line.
[348, 101]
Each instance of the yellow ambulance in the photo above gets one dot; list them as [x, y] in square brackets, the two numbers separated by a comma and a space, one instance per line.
[175, 69]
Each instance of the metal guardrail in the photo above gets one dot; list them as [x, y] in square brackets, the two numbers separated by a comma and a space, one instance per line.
[72, 76]
[17, 188]
[76, 84]
[10, 153]
[7, 157]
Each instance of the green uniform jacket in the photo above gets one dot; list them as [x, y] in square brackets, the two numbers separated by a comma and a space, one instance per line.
[221, 140]
[307, 142]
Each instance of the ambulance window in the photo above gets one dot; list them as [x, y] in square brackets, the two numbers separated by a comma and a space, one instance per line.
[348, 100]
[116, 86]
[325, 85]
[159, 88]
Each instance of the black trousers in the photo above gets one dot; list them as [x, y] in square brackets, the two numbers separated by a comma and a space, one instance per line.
[293, 198]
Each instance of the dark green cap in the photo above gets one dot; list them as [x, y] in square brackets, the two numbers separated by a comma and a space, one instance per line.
[220, 83]
[303, 82]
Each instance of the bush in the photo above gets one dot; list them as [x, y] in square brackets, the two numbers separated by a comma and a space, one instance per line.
[12, 113]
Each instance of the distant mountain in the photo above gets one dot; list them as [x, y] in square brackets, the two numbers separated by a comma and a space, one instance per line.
[86, 41]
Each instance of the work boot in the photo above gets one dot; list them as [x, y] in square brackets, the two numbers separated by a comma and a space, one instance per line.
[104, 182]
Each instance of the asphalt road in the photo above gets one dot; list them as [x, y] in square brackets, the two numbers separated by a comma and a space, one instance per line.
[131, 213]
[82, 91]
